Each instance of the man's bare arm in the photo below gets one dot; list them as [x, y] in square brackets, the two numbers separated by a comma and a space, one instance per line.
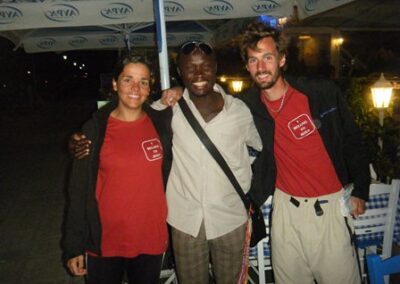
[79, 145]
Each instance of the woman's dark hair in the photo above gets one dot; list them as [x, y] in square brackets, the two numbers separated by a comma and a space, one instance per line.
[256, 31]
[128, 59]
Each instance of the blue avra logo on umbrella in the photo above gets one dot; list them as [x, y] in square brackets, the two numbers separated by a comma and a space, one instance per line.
[9, 14]
[62, 13]
[310, 5]
[264, 6]
[172, 8]
[116, 11]
[137, 38]
[78, 41]
[108, 40]
[218, 8]
[46, 43]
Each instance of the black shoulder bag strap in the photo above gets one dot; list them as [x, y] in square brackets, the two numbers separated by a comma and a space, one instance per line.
[213, 150]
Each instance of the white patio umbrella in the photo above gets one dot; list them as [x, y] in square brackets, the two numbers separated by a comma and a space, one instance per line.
[51, 25]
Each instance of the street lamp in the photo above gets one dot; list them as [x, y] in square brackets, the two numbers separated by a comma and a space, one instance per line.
[237, 85]
[337, 42]
[381, 94]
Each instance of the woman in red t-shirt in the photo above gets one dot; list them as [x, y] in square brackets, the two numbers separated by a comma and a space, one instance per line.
[116, 219]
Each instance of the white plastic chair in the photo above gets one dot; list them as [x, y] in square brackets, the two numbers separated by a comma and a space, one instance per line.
[168, 276]
[260, 256]
[167, 273]
[375, 228]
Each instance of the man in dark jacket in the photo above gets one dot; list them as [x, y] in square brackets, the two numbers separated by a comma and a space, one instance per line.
[312, 149]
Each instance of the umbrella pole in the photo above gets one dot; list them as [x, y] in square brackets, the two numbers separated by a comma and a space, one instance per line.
[162, 43]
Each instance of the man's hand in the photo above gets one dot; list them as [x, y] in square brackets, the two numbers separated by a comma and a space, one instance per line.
[77, 266]
[357, 205]
[79, 145]
[171, 96]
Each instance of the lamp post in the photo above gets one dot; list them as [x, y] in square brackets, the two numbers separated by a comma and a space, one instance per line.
[381, 94]
[237, 85]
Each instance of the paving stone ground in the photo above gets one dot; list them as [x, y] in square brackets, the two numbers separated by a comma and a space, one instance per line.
[33, 167]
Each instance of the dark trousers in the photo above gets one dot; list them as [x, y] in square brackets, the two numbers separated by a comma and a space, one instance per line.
[143, 269]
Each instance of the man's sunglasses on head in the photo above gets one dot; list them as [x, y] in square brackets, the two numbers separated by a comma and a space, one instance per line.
[188, 47]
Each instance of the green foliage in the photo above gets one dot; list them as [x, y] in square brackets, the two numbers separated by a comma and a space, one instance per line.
[386, 161]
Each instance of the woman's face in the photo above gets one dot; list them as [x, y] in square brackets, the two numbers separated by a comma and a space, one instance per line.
[133, 86]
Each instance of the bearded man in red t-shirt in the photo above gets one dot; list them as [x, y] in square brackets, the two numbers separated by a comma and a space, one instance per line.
[312, 150]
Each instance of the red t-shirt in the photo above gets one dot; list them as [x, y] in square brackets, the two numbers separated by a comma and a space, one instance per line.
[130, 191]
[304, 168]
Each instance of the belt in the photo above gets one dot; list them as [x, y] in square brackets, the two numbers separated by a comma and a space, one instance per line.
[317, 205]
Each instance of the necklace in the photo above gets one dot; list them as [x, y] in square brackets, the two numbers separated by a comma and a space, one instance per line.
[281, 104]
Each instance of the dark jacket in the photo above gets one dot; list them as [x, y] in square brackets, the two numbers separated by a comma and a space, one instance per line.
[339, 133]
[82, 225]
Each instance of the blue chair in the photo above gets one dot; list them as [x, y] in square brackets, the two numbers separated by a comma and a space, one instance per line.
[378, 268]
[375, 228]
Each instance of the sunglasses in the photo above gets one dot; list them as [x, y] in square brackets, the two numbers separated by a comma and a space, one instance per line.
[188, 47]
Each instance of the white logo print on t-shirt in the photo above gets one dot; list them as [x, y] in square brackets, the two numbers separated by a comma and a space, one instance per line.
[152, 149]
[301, 126]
